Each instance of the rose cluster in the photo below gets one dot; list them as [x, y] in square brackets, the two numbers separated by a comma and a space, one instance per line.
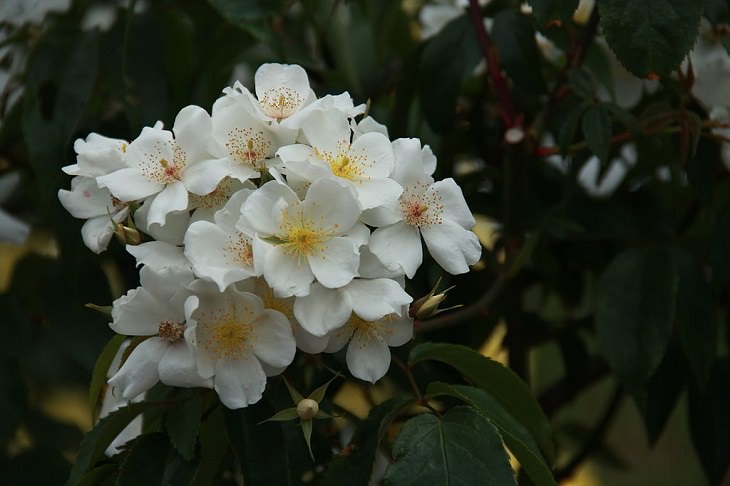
[273, 223]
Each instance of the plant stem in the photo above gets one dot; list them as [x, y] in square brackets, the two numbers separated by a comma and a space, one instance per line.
[505, 106]
[411, 379]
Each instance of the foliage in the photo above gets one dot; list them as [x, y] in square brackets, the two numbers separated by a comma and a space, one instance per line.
[588, 140]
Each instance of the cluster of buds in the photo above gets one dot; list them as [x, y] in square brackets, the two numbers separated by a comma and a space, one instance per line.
[277, 222]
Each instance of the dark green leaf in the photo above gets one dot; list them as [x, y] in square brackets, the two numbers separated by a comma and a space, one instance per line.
[145, 463]
[259, 447]
[241, 12]
[355, 466]
[284, 415]
[461, 448]
[183, 422]
[98, 439]
[710, 423]
[721, 250]
[569, 127]
[517, 439]
[101, 368]
[501, 382]
[514, 36]
[657, 401]
[581, 82]
[650, 36]
[696, 319]
[214, 446]
[596, 126]
[97, 475]
[448, 60]
[546, 11]
[635, 312]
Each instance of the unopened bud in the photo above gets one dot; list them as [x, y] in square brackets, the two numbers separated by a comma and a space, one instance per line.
[307, 409]
[127, 235]
[428, 305]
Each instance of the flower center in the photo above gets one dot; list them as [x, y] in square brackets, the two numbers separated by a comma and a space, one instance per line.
[171, 331]
[345, 163]
[421, 207]
[239, 249]
[301, 237]
[157, 168]
[216, 198]
[280, 102]
[225, 337]
[248, 147]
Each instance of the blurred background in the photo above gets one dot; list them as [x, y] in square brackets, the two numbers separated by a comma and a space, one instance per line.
[72, 67]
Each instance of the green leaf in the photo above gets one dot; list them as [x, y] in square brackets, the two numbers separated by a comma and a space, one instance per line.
[97, 475]
[283, 415]
[547, 11]
[145, 463]
[569, 126]
[501, 382]
[98, 439]
[581, 82]
[355, 466]
[710, 422]
[514, 37]
[101, 368]
[635, 311]
[660, 396]
[696, 318]
[515, 436]
[293, 393]
[240, 12]
[448, 60]
[307, 431]
[596, 126]
[461, 448]
[214, 446]
[650, 36]
[721, 250]
[183, 423]
[318, 394]
[259, 447]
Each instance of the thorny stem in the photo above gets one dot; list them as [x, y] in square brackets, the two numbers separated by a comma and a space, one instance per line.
[505, 106]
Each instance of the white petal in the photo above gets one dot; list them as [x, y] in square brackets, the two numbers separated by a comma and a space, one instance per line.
[397, 331]
[398, 246]
[239, 383]
[140, 372]
[368, 357]
[337, 264]
[331, 205]
[373, 193]
[260, 208]
[379, 153]
[327, 130]
[286, 275]
[173, 198]
[159, 255]
[453, 247]
[138, 313]
[323, 310]
[274, 342]
[97, 232]
[129, 184]
[373, 299]
[192, 129]
[309, 343]
[86, 199]
[178, 367]
[452, 199]
[203, 177]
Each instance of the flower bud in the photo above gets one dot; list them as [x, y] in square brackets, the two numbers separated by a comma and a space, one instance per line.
[126, 235]
[428, 305]
[307, 409]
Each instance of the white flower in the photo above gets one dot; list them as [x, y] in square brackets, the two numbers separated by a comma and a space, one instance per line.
[87, 201]
[324, 310]
[156, 309]
[368, 353]
[234, 335]
[219, 251]
[364, 163]
[301, 240]
[165, 169]
[437, 211]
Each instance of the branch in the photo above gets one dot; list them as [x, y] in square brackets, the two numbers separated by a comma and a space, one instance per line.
[505, 106]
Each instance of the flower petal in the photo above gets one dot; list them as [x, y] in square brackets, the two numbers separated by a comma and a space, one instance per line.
[337, 265]
[452, 246]
[139, 373]
[368, 356]
[240, 382]
[274, 342]
[373, 299]
[323, 310]
[398, 246]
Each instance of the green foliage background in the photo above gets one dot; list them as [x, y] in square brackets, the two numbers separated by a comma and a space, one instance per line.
[631, 287]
